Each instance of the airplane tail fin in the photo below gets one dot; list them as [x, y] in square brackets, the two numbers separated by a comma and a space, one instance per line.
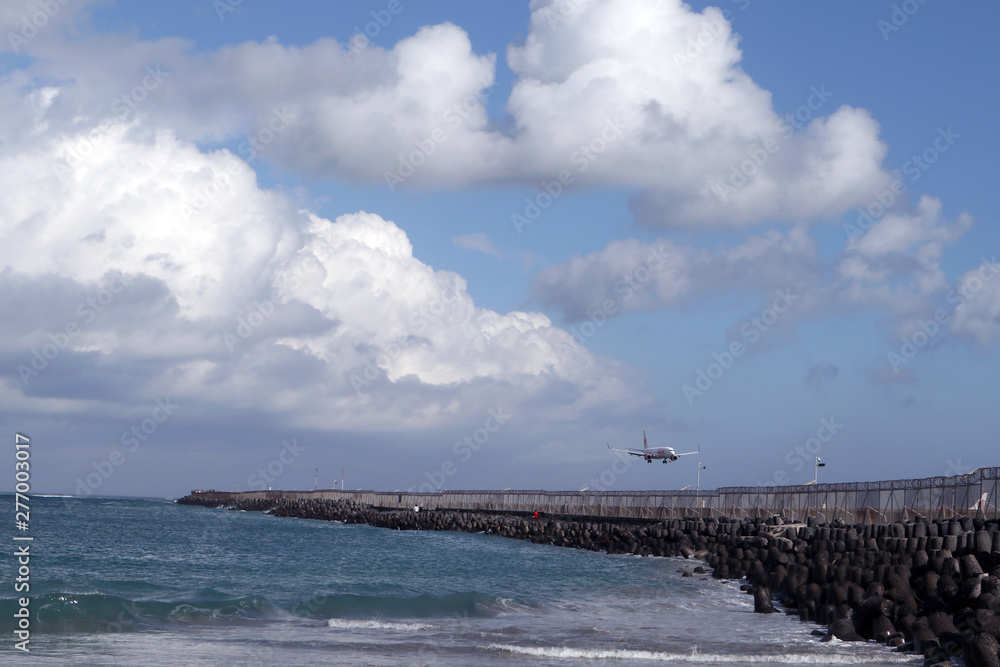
[644, 445]
[981, 503]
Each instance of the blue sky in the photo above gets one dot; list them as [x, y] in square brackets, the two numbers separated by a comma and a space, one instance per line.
[700, 273]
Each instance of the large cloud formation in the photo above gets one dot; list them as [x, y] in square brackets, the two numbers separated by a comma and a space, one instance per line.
[697, 139]
[146, 253]
[644, 94]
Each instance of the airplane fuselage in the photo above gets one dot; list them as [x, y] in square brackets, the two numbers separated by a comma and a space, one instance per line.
[658, 453]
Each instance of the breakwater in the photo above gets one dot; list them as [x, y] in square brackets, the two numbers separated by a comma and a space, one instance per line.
[929, 585]
[974, 494]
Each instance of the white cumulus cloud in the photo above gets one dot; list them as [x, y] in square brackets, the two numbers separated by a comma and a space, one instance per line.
[612, 93]
[234, 298]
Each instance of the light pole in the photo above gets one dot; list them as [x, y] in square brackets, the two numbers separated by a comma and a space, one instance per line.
[819, 464]
[700, 468]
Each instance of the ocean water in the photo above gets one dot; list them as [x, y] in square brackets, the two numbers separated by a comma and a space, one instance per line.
[148, 582]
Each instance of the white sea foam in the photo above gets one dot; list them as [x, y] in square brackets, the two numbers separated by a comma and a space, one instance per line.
[508, 606]
[693, 657]
[346, 624]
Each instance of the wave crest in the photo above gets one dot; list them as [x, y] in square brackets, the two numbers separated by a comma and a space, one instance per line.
[692, 658]
[348, 624]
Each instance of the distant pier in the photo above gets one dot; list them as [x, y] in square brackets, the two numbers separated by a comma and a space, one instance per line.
[974, 494]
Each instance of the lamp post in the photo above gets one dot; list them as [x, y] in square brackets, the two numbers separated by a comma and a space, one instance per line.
[819, 464]
[700, 468]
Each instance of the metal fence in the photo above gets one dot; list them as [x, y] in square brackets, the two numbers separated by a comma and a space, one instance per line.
[974, 494]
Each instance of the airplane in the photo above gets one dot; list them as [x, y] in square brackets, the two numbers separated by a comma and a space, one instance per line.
[666, 453]
[981, 503]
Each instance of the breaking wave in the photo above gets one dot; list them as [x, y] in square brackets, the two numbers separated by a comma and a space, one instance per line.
[101, 613]
[346, 624]
[693, 657]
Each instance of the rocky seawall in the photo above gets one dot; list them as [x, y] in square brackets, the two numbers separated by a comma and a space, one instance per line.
[926, 586]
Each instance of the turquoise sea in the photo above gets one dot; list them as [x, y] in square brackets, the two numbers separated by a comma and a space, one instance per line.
[147, 582]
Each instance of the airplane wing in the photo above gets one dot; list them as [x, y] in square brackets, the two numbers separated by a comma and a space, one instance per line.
[633, 452]
[689, 453]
